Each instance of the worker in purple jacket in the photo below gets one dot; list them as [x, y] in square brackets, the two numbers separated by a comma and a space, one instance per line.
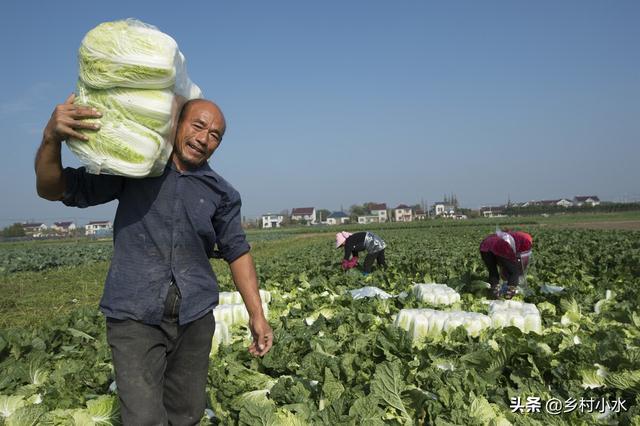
[357, 242]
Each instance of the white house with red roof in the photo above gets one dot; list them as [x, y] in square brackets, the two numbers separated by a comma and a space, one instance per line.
[307, 214]
[403, 213]
[380, 210]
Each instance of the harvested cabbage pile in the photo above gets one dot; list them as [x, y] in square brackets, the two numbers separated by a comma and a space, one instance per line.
[525, 316]
[436, 294]
[232, 312]
[136, 76]
[422, 323]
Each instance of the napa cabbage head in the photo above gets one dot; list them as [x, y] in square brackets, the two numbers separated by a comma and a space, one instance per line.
[120, 147]
[127, 53]
[154, 109]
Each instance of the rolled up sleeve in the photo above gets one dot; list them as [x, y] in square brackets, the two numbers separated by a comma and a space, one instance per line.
[227, 222]
[85, 189]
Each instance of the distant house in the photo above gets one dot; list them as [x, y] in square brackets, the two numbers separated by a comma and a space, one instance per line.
[98, 228]
[420, 214]
[307, 214]
[337, 218]
[272, 220]
[492, 211]
[364, 220]
[459, 216]
[562, 202]
[379, 210]
[441, 209]
[581, 200]
[63, 227]
[34, 229]
[403, 213]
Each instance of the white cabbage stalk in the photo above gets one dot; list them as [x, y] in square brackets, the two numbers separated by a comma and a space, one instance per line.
[420, 323]
[10, 403]
[221, 336]
[445, 365]
[524, 316]
[598, 307]
[233, 297]
[235, 314]
[325, 312]
[435, 294]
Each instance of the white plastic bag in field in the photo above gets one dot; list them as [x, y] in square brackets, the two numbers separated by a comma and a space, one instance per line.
[363, 292]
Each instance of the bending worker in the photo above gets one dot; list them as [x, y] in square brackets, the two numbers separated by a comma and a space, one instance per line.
[357, 242]
[511, 251]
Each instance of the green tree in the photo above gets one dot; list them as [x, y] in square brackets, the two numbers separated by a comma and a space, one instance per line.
[15, 230]
[355, 211]
[322, 214]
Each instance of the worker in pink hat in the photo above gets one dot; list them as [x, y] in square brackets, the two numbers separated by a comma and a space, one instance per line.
[357, 242]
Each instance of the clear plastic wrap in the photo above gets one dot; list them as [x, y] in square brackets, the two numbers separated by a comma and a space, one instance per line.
[136, 76]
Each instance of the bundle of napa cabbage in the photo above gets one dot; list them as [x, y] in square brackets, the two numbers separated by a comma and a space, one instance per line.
[136, 76]
[436, 294]
[431, 323]
[524, 316]
[236, 313]
[233, 297]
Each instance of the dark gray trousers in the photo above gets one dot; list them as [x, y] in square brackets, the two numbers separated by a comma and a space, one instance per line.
[161, 370]
[371, 257]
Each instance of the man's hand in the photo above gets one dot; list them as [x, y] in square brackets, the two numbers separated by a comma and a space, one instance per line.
[64, 123]
[67, 119]
[262, 336]
[244, 276]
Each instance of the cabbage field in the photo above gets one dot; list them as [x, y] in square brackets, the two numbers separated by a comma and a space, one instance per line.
[344, 360]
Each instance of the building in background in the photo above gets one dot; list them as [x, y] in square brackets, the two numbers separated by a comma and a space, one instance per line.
[581, 200]
[420, 214]
[304, 214]
[63, 228]
[441, 209]
[337, 218]
[492, 211]
[34, 229]
[379, 210]
[403, 213]
[98, 228]
[272, 220]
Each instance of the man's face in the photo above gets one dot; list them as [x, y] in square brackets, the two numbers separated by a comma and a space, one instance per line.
[199, 133]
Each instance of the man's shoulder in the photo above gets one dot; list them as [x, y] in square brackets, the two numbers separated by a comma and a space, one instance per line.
[223, 184]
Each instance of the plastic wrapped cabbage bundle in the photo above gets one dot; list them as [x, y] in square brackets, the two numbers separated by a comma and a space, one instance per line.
[136, 76]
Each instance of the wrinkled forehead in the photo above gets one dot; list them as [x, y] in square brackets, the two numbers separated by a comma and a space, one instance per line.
[205, 111]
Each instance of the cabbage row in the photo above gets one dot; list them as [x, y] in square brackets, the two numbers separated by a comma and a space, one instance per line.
[340, 360]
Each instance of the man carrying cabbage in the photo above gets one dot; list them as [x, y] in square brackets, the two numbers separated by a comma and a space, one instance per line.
[161, 289]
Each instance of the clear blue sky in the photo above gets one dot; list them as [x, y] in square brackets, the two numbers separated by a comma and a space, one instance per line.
[340, 102]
